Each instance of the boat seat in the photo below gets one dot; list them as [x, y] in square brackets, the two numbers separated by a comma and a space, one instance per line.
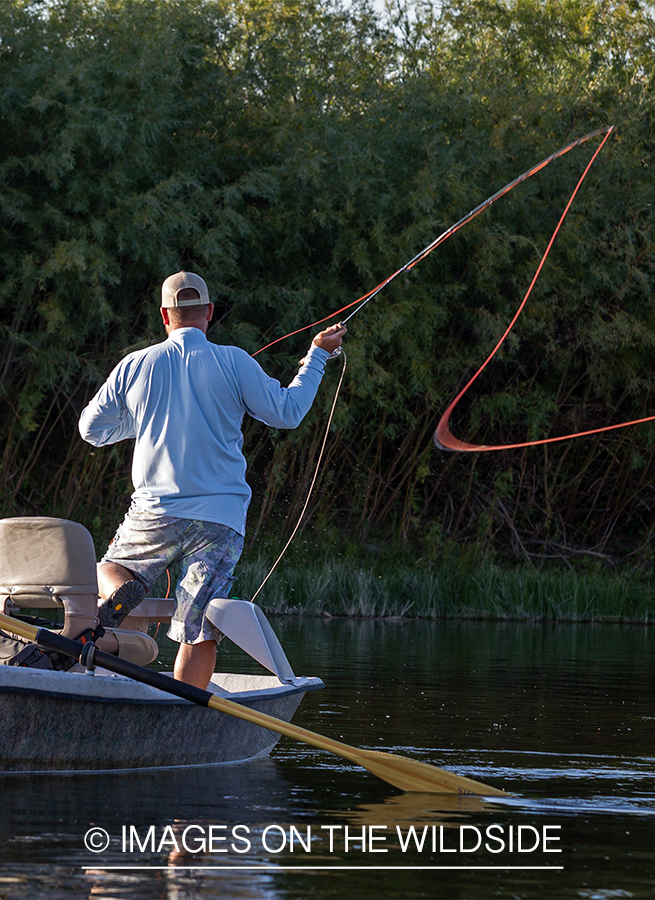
[50, 563]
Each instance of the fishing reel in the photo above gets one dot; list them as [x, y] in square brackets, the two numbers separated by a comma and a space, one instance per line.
[332, 355]
[339, 350]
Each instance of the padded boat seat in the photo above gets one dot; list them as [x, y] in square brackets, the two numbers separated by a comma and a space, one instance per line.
[44, 559]
[49, 563]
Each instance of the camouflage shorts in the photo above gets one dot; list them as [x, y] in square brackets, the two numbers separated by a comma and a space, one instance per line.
[147, 544]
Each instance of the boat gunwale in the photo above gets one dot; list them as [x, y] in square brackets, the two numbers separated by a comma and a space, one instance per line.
[253, 695]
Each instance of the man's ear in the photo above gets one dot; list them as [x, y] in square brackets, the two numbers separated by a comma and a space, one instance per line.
[165, 317]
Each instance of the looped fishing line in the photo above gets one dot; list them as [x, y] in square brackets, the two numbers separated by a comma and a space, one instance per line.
[445, 440]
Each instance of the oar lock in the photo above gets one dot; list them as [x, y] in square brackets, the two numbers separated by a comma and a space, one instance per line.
[87, 657]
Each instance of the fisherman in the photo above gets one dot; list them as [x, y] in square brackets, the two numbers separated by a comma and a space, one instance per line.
[183, 402]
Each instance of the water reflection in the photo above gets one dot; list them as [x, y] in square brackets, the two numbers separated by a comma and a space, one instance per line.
[410, 809]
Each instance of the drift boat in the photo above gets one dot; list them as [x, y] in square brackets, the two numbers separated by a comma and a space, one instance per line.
[92, 719]
[68, 721]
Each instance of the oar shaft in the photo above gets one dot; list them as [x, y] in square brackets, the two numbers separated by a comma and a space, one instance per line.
[50, 640]
[22, 629]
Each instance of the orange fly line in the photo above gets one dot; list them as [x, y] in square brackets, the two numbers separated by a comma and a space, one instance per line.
[445, 440]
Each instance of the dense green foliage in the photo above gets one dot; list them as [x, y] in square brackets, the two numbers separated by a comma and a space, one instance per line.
[295, 154]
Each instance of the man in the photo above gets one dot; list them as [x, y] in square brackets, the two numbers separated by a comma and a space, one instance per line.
[183, 402]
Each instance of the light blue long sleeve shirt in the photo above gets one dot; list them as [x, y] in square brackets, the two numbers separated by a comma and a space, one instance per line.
[183, 401]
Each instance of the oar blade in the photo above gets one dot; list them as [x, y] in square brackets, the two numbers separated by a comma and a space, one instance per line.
[400, 771]
[415, 776]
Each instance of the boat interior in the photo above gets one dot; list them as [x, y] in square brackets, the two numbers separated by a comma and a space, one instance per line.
[49, 563]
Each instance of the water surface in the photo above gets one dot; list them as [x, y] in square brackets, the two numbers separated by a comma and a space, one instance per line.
[561, 716]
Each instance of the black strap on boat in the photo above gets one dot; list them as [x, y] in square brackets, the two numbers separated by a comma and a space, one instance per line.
[15, 651]
[37, 621]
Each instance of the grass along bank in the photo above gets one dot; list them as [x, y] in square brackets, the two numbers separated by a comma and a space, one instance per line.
[340, 588]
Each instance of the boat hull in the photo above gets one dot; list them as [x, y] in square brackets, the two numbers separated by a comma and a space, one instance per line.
[69, 721]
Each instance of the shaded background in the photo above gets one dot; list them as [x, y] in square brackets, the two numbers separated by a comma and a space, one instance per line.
[294, 155]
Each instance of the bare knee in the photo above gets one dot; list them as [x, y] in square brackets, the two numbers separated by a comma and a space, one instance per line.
[110, 577]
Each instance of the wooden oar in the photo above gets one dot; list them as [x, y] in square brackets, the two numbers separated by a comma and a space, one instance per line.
[400, 771]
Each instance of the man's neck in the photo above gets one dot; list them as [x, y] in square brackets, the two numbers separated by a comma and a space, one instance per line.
[201, 326]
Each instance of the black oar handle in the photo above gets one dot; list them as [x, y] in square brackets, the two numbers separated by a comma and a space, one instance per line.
[49, 640]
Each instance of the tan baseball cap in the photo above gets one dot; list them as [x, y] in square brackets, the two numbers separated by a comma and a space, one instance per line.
[171, 288]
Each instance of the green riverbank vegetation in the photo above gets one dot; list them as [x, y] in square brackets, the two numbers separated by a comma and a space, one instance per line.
[295, 154]
[338, 587]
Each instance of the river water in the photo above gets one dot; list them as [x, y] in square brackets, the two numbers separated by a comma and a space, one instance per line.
[561, 716]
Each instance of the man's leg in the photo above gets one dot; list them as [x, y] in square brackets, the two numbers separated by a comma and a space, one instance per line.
[195, 663]
[120, 592]
[212, 551]
[142, 548]
[111, 576]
